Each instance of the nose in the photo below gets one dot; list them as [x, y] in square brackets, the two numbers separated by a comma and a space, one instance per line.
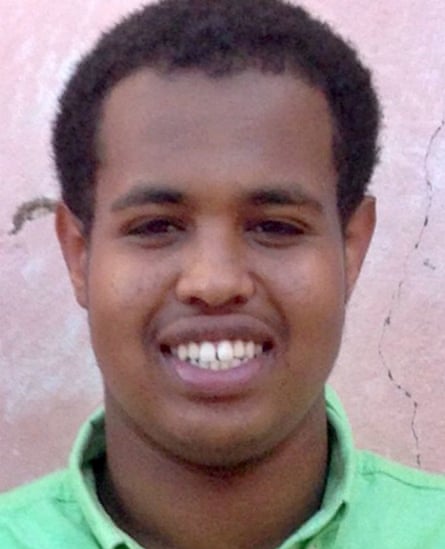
[214, 272]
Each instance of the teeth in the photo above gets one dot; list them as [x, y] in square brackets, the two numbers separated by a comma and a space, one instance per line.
[225, 351]
[182, 352]
[207, 352]
[223, 355]
[250, 349]
[238, 349]
[193, 351]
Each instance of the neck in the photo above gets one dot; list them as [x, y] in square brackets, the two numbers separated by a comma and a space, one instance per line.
[256, 505]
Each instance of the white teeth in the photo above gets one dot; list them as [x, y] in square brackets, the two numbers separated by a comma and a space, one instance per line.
[182, 352]
[238, 349]
[250, 349]
[193, 351]
[222, 355]
[207, 352]
[225, 351]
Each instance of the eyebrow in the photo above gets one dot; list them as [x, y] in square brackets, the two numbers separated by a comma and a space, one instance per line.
[275, 196]
[143, 194]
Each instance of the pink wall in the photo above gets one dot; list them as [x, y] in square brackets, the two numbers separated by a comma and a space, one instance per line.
[390, 372]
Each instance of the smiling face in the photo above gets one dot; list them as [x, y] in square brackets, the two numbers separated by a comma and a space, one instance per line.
[216, 273]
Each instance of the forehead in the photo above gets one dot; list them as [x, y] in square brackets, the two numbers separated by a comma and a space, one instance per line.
[241, 127]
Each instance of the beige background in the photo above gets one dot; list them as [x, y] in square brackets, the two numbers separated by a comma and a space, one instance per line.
[391, 370]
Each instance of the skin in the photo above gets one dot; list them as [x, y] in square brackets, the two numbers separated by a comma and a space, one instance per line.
[215, 215]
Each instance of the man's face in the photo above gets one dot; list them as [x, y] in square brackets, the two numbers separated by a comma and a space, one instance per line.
[216, 273]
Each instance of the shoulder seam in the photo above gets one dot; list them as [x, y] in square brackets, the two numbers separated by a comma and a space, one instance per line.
[370, 464]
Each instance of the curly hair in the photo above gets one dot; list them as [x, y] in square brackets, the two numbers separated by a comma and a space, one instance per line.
[220, 38]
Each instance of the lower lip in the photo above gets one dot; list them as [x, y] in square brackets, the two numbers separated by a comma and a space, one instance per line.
[220, 383]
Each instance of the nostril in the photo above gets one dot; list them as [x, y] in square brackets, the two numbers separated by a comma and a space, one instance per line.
[240, 299]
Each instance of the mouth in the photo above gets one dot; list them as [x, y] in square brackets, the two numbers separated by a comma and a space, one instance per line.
[217, 355]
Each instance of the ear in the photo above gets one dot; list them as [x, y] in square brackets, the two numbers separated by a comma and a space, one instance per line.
[74, 246]
[358, 234]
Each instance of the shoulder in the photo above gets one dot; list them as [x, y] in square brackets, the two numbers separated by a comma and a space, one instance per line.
[375, 469]
[51, 488]
[37, 511]
[396, 505]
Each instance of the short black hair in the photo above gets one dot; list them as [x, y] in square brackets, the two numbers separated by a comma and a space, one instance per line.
[220, 38]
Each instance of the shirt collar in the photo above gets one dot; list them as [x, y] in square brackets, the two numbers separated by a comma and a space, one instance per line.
[90, 444]
[340, 475]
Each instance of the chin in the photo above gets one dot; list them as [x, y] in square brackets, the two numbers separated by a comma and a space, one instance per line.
[230, 456]
[226, 447]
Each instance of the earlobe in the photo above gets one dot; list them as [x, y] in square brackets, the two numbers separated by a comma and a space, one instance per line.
[358, 234]
[73, 242]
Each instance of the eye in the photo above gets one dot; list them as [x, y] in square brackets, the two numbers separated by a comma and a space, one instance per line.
[277, 228]
[155, 232]
[154, 227]
[275, 232]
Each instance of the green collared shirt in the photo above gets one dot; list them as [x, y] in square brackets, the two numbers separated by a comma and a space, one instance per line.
[369, 502]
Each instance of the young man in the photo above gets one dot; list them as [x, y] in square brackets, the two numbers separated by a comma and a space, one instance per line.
[214, 157]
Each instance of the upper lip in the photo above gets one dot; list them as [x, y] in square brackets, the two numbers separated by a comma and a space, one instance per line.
[216, 328]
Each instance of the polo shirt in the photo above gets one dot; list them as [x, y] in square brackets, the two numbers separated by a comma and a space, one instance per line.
[369, 502]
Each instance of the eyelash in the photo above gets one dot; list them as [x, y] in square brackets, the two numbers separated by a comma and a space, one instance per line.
[268, 232]
[279, 228]
[276, 233]
[155, 227]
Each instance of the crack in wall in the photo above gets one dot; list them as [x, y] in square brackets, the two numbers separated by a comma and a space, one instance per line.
[31, 210]
[396, 297]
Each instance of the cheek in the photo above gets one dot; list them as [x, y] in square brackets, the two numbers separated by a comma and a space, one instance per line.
[311, 294]
[121, 281]
[315, 314]
[312, 277]
[124, 295]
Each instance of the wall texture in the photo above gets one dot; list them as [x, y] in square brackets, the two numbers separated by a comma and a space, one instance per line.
[390, 372]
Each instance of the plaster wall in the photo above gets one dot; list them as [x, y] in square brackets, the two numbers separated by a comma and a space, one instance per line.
[390, 372]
